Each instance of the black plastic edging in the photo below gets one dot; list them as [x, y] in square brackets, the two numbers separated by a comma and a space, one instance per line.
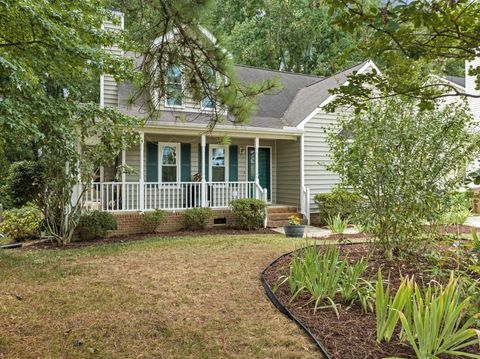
[273, 298]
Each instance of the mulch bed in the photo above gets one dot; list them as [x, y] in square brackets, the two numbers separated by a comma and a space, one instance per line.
[139, 237]
[353, 336]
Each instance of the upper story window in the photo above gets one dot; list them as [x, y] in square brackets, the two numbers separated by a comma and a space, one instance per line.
[211, 76]
[207, 103]
[174, 86]
[218, 163]
[169, 158]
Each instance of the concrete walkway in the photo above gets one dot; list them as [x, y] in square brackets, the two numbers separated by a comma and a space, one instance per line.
[318, 232]
[473, 221]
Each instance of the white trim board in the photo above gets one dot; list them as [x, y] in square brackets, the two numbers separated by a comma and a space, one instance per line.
[271, 166]
[301, 125]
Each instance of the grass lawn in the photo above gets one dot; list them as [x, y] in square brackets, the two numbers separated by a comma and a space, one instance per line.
[159, 298]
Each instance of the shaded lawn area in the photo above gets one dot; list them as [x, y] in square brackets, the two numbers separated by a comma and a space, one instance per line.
[197, 297]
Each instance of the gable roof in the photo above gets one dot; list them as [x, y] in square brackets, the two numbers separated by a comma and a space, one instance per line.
[312, 96]
[298, 97]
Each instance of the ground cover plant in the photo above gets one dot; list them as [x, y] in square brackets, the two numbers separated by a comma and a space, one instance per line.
[372, 307]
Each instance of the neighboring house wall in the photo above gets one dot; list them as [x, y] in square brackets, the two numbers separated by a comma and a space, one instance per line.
[317, 156]
[288, 172]
[470, 88]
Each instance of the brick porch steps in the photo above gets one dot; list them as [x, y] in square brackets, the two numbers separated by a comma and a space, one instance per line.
[278, 216]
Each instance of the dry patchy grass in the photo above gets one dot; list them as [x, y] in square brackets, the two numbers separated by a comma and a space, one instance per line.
[159, 298]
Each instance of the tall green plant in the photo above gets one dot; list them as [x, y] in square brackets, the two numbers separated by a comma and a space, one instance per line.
[438, 324]
[400, 159]
[388, 306]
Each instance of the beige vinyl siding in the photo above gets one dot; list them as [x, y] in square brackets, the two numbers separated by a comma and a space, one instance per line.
[110, 89]
[133, 155]
[288, 172]
[470, 88]
[317, 156]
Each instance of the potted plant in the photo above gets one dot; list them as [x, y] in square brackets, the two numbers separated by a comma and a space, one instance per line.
[294, 229]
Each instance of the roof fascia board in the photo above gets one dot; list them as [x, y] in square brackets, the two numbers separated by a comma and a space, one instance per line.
[365, 67]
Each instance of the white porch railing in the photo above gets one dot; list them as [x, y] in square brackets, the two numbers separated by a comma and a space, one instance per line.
[305, 203]
[118, 196]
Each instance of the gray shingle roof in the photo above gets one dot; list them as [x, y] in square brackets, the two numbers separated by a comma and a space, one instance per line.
[299, 96]
[460, 81]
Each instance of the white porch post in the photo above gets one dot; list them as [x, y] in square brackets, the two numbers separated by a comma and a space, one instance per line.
[302, 176]
[142, 172]
[124, 178]
[257, 182]
[202, 172]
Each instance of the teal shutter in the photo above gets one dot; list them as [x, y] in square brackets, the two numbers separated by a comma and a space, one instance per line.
[200, 161]
[233, 163]
[186, 162]
[152, 162]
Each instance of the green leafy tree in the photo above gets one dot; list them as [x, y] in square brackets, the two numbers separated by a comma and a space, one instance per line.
[51, 54]
[406, 37]
[401, 160]
[169, 33]
[296, 35]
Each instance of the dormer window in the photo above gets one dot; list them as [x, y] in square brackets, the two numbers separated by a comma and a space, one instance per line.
[211, 76]
[207, 103]
[174, 87]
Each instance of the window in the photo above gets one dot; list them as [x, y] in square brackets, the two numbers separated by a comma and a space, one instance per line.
[169, 156]
[207, 102]
[218, 163]
[174, 86]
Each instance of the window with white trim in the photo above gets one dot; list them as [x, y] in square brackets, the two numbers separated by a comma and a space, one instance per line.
[174, 87]
[169, 158]
[218, 163]
[207, 102]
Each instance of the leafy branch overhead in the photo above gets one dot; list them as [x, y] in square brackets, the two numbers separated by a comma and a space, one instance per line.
[171, 33]
[411, 38]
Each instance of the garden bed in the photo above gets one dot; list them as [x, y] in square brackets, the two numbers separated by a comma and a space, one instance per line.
[353, 334]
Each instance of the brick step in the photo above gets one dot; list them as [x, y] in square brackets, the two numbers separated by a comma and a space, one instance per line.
[277, 223]
[286, 209]
[283, 216]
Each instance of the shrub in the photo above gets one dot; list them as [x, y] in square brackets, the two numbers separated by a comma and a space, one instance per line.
[151, 220]
[197, 218]
[21, 223]
[23, 183]
[95, 224]
[250, 213]
[399, 157]
[338, 202]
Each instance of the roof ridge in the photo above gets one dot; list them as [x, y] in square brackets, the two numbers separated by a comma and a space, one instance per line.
[279, 71]
[337, 73]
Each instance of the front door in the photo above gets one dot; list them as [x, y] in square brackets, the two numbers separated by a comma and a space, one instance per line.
[264, 168]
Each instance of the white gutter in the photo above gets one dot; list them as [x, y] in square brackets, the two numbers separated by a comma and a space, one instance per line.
[222, 130]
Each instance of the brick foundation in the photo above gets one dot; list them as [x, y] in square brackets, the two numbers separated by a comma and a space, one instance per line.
[129, 222]
[476, 201]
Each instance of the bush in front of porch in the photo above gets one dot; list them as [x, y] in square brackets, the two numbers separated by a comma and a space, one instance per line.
[197, 218]
[249, 212]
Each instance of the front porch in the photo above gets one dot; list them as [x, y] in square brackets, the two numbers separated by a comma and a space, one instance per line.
[175, 172]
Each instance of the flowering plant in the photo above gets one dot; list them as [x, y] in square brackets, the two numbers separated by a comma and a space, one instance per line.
[294, 221]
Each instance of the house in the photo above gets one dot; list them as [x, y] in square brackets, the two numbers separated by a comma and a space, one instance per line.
[280, 156]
